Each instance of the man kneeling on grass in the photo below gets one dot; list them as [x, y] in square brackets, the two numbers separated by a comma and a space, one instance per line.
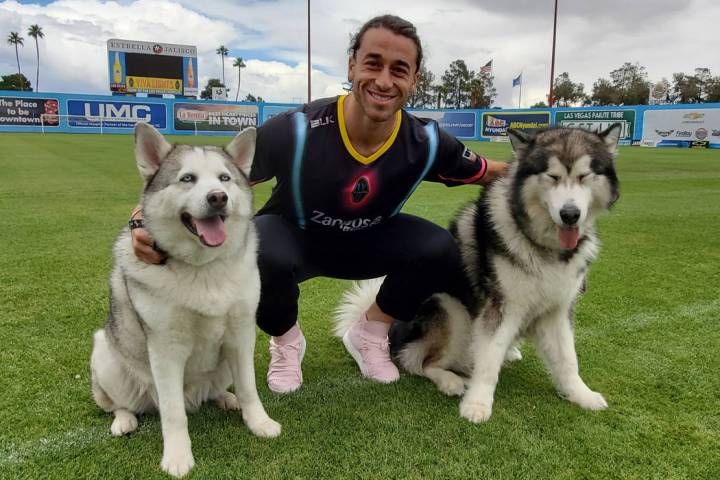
[344, 167]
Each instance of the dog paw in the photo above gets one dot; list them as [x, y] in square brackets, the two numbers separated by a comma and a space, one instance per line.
[266, 428]
[227, 401]
[513, 354]
[589, 400]
[592, 401]
[177, 464]
[125, 422]
[475, 410]
[451, 385]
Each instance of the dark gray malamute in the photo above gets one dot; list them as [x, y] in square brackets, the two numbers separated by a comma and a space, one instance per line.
[526, 245]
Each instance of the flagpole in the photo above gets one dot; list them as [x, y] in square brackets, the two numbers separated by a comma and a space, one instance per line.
[308, 54]
[521, 81]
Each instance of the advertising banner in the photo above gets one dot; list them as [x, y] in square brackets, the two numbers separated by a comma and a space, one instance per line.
[214, 117]
[152, 67]
[599, 120]
[116, 65]
[270, 111]
[153, 85]
[661, 127]
[219, 93]
[26, 111]
[190, 77]
[457, 124]
[495, 124]
[89, 113]
[659, 94]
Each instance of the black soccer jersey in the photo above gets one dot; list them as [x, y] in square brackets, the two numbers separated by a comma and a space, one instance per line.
[324, 183]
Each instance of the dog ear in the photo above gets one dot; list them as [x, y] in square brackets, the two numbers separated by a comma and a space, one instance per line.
[242, 150]
[518, 139]
[150, 149]
[611, 136]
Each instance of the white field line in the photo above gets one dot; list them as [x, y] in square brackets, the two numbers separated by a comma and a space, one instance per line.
[73, 440]
[640, 320]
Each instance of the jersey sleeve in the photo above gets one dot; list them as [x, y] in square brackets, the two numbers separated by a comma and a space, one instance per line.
[455, 164]
[274, 140]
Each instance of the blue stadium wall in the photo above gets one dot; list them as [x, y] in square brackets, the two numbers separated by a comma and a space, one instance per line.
[667, 125]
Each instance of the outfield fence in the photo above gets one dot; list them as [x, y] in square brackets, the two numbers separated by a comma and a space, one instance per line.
[680, 125]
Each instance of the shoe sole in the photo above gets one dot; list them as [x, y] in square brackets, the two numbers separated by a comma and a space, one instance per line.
[302, 355]
[354, 353]
[358, 359]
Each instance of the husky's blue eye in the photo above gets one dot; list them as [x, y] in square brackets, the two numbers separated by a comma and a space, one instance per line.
[224, 177]
[554, 178]
[582, 177]
[187, 178]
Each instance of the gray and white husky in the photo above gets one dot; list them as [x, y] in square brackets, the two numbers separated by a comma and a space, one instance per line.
[181, 333]
[526, 244]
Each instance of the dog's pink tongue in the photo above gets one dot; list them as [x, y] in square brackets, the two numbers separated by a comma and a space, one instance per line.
[569, 237]
[211, 230]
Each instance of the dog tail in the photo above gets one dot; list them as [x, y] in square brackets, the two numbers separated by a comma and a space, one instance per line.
[354, 303]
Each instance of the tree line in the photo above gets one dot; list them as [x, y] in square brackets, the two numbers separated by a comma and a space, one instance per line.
[458, 87]
[629, 85]
[206, 93]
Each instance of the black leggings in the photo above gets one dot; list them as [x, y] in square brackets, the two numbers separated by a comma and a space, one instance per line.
[418, 257]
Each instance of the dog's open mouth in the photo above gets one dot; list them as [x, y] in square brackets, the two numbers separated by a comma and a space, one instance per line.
[569, 237]
[210, 230]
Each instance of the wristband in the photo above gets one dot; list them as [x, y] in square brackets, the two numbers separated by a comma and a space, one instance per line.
[133, 224]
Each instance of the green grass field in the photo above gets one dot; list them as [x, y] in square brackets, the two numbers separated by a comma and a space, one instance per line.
[647, 338]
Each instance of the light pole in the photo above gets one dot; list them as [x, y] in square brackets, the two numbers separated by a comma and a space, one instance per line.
[309, 62]
[552, 62]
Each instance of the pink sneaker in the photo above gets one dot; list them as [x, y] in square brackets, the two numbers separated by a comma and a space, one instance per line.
[284, 373]
[371, 352]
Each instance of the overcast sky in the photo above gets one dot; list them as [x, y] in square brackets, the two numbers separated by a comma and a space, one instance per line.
[594, 37]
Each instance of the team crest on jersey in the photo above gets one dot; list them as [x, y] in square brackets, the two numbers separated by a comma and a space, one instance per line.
[361, 190]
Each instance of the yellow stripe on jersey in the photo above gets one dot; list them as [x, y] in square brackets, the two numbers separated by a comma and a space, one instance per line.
[346, 140]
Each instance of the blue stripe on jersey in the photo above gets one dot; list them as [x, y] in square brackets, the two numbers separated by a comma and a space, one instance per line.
[432, 135]
[300, 125]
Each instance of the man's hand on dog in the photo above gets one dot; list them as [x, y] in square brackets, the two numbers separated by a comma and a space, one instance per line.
[495, 169]
[143, 244]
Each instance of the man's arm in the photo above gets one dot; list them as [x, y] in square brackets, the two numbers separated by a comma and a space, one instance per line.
[456, 164]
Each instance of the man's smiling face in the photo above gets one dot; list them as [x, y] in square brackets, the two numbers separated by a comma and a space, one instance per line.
[383, 72]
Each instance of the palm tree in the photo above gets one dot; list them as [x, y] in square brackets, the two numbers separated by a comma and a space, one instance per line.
[222, 51]
[35, 31]
[240, 65]
[15, 39]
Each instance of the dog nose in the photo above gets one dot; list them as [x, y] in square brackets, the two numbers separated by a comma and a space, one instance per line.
[570, 214]
[217, 199]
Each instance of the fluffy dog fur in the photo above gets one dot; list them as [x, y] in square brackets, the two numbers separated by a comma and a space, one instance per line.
[526, 245]
[181, 333]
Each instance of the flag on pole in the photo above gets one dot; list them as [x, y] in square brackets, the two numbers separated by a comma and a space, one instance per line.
[486, 69]
[517, 81]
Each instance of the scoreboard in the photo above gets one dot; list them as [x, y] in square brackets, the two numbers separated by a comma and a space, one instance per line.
[152, 68]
